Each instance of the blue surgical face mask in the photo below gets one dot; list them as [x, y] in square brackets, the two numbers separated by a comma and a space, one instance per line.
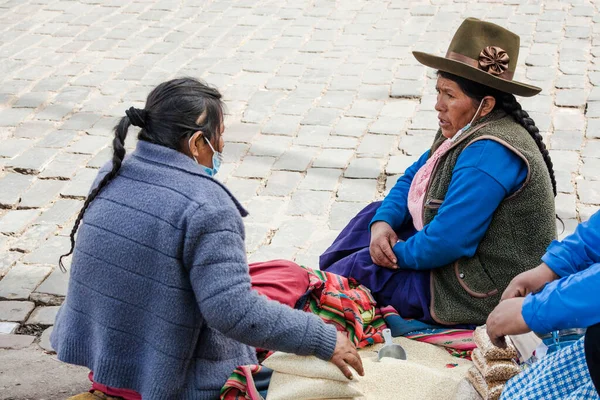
[217, 159]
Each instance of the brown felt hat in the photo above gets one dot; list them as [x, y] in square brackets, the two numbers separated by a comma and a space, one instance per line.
[484, 53]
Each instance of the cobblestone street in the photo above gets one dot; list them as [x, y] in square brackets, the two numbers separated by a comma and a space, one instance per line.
[326, 107]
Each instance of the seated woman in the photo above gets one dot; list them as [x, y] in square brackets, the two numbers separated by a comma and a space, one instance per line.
[475, 210]
[560, 293]
[160, 303]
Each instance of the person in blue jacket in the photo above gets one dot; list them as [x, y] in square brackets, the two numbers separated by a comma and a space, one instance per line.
[454, 230]
[560, 293]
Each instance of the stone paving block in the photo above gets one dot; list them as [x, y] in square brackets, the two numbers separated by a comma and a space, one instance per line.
[243, 189]
[44, 316]
[593, 128]
[590, 168]
[374, 92]
[295, 159]
[390, 182]
[281, 183]
[593, 109]
[49, 251]
[425, 120]
[294, 106]
[357, 190]
[570, 82]
[105, 155]
[309, 202]
[566, 119]
[566, 207]
[15, 342]
[60, 212]
[21, 280]
[571, 98]
[589, 191]
[566, 140]
[365, 109]
[81, 184]
[41, 193]
[15, 221]
[364, 168]
[591, 149]
[12, 187]
[333, 158]
[242, 132]
[15, 311]
[388, 125]
[81, 121]
[264, 209]
[33, 161]
[12, 147]
[337, 99]
[268, 252]
[31, 100]
[8, 328]
[321, 116]
[377, 146]
[399, 108]
[32, 237]
[88, 144]
[350, 83]
[564, 182]
[399, 163]
[312, 135]
[265, 145]
[415, 145]
[342, 212]
[256, 235]
[13, 116]
[407, 89]
[565, 160]
[586, 211]
[352, 126]
[57, 139]
[293, 233]
[64, 166]
[45, 340]
[254, 167]
[282, 125]
[321, 179]
[341, 142]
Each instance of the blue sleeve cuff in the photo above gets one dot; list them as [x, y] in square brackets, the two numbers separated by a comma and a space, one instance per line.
[562, 260]
[529, 313]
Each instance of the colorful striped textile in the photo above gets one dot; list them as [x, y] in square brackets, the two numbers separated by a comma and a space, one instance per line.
[240, 385]
[344, 303]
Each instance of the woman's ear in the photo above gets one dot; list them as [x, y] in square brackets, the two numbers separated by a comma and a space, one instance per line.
[193, 143]
[489, 102]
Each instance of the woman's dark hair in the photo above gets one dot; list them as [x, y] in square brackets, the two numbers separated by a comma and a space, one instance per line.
[174, 110]
[511, 106]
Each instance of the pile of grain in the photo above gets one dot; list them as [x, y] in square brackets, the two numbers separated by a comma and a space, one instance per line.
[493, 366]
[428, 373]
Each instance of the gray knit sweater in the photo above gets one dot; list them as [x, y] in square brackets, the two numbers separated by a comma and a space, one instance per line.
[159, 296]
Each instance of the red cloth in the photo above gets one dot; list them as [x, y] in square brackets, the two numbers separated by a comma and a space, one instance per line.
[280, 280]
[126, 394]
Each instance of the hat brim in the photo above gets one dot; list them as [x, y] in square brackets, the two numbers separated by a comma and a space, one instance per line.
[468, 72]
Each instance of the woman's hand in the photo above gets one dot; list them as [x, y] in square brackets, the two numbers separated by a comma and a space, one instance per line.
[506, 319]
[345, 355]
[383, 239]
[529, 281]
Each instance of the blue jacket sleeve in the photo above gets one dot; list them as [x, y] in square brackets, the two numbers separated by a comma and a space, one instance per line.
[485, 173]
[394, 209]
[577, 251]
[569, 302]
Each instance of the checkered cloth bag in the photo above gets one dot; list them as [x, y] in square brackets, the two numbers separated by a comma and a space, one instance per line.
[560, 375]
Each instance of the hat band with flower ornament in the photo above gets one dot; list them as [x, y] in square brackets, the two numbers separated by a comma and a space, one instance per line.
[482, 52]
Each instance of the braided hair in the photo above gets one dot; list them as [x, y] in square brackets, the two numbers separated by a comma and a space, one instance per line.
[511, 106]
[174, 110]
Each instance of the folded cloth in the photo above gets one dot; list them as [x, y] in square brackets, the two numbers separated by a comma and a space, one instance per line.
[488, 390]
[248, 382]
[307, 366]
[280, 280]
[500, 370]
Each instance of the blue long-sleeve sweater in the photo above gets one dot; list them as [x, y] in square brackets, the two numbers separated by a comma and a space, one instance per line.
[571, 301]
[160, 299]
[485, 173]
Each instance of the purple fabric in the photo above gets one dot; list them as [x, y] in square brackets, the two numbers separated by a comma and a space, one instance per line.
[406, 290]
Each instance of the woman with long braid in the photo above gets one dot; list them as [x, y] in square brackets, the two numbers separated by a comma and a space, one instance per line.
[475, 210]
[160, 304]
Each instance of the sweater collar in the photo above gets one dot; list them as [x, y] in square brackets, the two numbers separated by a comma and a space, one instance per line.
[174, 159]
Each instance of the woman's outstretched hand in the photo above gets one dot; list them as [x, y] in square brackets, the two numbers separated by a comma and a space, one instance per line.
[383, 239]
[345, 355]
[529, 281]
